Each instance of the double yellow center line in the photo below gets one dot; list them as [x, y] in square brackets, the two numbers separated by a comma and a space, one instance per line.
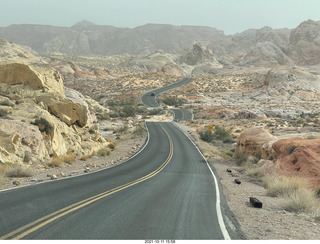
[39, 223]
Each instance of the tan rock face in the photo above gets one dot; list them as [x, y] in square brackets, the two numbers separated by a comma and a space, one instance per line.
[251, 140]
[36, 77]
[41, 121]
[17, 137]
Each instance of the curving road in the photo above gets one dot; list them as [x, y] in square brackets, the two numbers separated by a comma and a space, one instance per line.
[181, 114]
[167, 191]
[151, 101]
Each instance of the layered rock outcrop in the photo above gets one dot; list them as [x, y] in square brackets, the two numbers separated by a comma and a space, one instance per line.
[38, 121]
[299, 157]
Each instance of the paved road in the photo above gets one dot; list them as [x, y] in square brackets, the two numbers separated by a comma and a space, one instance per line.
[181, 114]
[151, 101]
[165, 192]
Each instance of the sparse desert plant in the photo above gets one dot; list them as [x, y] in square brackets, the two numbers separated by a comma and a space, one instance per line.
[44, 125]
[206, 135]
[3, 113]
[69, 158]
[139, 131]
[240, 158]
[317, 192]
[57, 161]
[282, 186]
[300, 200]
[2, 179]
[17, 170]
[111, 145]
[103, 152]
[103, 116]
[122, 129]
[221, 133]
[85, 157]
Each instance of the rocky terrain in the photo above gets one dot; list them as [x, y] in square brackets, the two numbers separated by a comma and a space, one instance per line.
[61, 114]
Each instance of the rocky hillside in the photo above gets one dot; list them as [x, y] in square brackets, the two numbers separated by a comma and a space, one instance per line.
[40, 119]
[265, 46]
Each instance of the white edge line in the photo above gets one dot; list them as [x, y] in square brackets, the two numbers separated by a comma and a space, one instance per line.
[218, 207]
[92, 172]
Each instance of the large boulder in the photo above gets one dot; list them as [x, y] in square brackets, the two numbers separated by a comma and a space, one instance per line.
[36, 77]
[251, 140]
[298, 157]
[66, 110]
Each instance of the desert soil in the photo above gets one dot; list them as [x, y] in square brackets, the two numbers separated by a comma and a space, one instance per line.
[267, 223]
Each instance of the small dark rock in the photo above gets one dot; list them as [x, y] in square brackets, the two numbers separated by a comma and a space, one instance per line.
[237, 181]
[255, 202]
[229, 170]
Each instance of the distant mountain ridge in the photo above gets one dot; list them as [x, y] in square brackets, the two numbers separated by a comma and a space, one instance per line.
[252, 47]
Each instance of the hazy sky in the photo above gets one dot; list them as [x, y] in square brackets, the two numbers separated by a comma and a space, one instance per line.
[229, 15]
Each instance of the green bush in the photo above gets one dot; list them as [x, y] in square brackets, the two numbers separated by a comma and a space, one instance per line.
[128, 111]
[240, 158]
[172, 101]
[3, 113]
[221, 133]
[44, 125]
[206, 135]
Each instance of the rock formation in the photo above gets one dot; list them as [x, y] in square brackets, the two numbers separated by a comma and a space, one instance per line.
[38, 119]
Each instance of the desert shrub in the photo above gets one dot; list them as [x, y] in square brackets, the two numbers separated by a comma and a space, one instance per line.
[128, 111]
[155, 111]
[283, 186]
[206, 135]
[2, 179]
[221, 133]
[317, 192]
[139, 131]
[240, 158]
[103, 152]
[69, 158]
[3, 113]
[103, 116]
[172, 101]
[44, 125]
[123, 129]
[57, 161]
[300, 200]
[111, 145]
[85, 157]
[18, 171]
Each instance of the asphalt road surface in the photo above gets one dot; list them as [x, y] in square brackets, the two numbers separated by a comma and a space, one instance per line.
[181, 114]
[167, 191]
[151, 101]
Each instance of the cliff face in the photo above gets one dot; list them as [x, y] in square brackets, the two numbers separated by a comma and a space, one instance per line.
[38, 120]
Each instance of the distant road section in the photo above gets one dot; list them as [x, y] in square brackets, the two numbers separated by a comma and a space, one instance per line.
[181, 114]
[150, 98]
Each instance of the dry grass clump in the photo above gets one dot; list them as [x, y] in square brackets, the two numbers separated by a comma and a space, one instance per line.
[58, 161]
[295, 192]
[300, 200]
[2, 179]
[85, 157]
[103, 152]
[111, 145]
[281, 186]
[17, 170]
